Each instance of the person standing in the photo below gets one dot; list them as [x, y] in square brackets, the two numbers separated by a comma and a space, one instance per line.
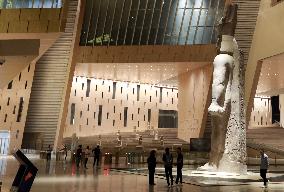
[97, 153]
[264, 164]
[48, 153]
[79, 155]
[152, 162]
[87, 154]
[168, 163]
[65, 151]
[179, 166]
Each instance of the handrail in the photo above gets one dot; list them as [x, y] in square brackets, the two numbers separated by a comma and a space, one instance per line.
[258, 146]
[17, 4]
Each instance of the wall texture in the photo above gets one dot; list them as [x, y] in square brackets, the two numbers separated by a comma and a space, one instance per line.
[267, 41]
[194, 99]
[101, 93]
[146, 53]
[261, 114]
[9, 106]
[30, 20]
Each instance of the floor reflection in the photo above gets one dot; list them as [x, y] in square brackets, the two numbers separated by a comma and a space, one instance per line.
[66, 177]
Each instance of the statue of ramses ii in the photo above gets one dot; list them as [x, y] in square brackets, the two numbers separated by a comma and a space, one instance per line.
[228, 141]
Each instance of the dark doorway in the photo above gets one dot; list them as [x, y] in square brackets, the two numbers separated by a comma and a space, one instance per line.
[275, 109]
[168, 119]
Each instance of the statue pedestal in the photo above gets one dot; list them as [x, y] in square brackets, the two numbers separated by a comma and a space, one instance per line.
[208, 178]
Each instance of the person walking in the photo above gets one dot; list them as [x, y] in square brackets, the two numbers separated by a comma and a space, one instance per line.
[79, 155]
[264, 164]
[168, 164]
[97, 153]
[87, 154]
[179, 166]
[152, 162]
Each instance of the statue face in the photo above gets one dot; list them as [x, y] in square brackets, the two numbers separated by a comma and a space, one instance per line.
[228, 23]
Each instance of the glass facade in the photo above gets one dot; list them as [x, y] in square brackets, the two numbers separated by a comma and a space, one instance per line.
[150, 22]
[12, 4]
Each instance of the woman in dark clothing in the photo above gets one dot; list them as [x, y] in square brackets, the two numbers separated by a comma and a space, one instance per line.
[152, 166]
[79, 155]
[179, 166]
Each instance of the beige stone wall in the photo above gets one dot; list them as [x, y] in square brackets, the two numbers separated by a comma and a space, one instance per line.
[267, 41]
[146, 53]
[194, 98]
[261, 115]
[101, 92]
[30, 20]
[21, 87]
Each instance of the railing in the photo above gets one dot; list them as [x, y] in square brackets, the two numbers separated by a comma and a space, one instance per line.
[152, 22]
[257, 146]
[16, 4]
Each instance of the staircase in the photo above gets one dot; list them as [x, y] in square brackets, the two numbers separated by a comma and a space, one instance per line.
[109, 141]
[270, 139]
[48, 88]
[247, 16]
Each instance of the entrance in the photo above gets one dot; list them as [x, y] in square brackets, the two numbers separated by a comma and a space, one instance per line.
[4, 142]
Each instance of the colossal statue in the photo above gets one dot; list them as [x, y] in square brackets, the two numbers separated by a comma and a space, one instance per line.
[228, 140]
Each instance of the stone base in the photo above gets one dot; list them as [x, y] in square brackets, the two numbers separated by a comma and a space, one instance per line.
[232, 167]
[210, 178]
[229, 167]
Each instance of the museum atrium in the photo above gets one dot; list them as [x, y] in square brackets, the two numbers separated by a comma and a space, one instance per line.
[132, 76]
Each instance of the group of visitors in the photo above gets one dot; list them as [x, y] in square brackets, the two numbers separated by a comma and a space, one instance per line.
[168, 165]
[82, 156]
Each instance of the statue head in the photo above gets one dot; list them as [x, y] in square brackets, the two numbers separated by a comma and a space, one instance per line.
[227, 24]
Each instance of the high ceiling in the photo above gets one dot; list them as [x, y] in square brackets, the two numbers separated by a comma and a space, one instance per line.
[153, 73]
[271, 80]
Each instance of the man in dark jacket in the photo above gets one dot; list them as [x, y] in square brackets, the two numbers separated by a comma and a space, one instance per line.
[168, 163]
[264, 164]
[79, 153]
[152, 166]
[97, 153]
[179, 166]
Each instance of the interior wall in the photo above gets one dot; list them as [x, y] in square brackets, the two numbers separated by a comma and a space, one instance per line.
[146, 53]
[9, 106]
[194, 99]
[261, 115]
[101, 93]
[27, 20]
[267, 41]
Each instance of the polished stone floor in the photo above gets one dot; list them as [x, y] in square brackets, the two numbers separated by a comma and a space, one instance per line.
[64, 177]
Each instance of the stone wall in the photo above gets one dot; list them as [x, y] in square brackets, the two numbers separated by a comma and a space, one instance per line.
[101, 93]
[194, 99]
[261, 114]
[12, 119]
